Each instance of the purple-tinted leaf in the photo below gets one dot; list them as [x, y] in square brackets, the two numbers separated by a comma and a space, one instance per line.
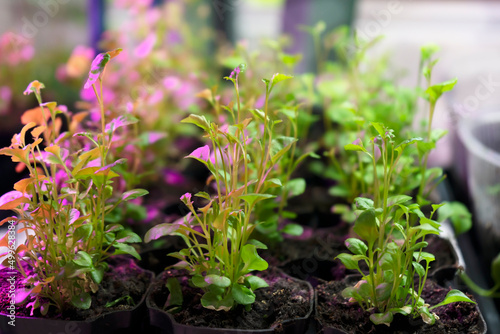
[74, 214]
[186, 199]
[120, 121]
[160, 230]
[108, 167]
[96, 68]
[34, 86]
[133, 194]
[201, 153]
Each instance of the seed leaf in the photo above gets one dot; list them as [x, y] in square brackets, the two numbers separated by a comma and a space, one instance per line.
[255, 282]
[242, 295]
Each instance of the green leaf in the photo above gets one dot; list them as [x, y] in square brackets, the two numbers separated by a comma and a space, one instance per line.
[356, 246]
[425, 147]
[257, 244]
[81, 301]
[113, 228]
[214, 301]
[82, 232]
[353, 147]
[203, 194]
[97, 274]
[242, 295]
[293, 229]
[160, 230]
[418, 246]
[366, 226]
[383, 291]
[424, 256]
[419, 269]
[398, 199]
[259, 114]
[407, 142]
[427, 51]
[83, 259]
[437, 134]
[348, 261]
[217, 280]
[434, 92]
[273, 183]
[127, 236]
[278, 77]
[452, 297]
[133, 194]
[380, 128]
[197, 120]
[175, 297]
[363, 203]
[199, 281]
[296, 187]
[255, 282]
[458, 214]
[251, 199]
[126, 249]
[280, 146]
[251, 259]
[123, 299]
[382, 318]
[426, 315]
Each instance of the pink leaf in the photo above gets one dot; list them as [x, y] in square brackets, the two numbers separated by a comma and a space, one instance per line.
[201, 153]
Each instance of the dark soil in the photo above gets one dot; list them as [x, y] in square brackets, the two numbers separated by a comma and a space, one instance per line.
[333, 310]
[285, 298]
[124, 278]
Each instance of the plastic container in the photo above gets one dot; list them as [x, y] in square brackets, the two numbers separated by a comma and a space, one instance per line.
[481, 138]
[164, 323]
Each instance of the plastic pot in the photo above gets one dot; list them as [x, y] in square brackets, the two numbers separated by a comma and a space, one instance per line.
[409, 325]
[129, 321]
[164, 323]
[481, 137]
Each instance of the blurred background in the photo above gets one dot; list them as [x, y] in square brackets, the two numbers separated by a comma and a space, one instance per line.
[54, 41]
[466, 31]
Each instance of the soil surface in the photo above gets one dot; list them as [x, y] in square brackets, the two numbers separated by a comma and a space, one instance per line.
[284, 299]
[124, 278]
[333, 310]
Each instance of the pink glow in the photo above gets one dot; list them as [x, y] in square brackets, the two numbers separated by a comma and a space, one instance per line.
[146, 46]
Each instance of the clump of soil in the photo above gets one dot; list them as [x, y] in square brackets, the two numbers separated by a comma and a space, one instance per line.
[285, 298]
[333, 310]
[124, 278]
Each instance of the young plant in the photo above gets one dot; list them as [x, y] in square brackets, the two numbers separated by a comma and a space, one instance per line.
[220, 253]
[432, 95]
[62, 206]
[390, 244]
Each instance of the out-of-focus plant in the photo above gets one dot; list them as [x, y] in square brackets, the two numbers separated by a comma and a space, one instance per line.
[63, 205]
[15, 63]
